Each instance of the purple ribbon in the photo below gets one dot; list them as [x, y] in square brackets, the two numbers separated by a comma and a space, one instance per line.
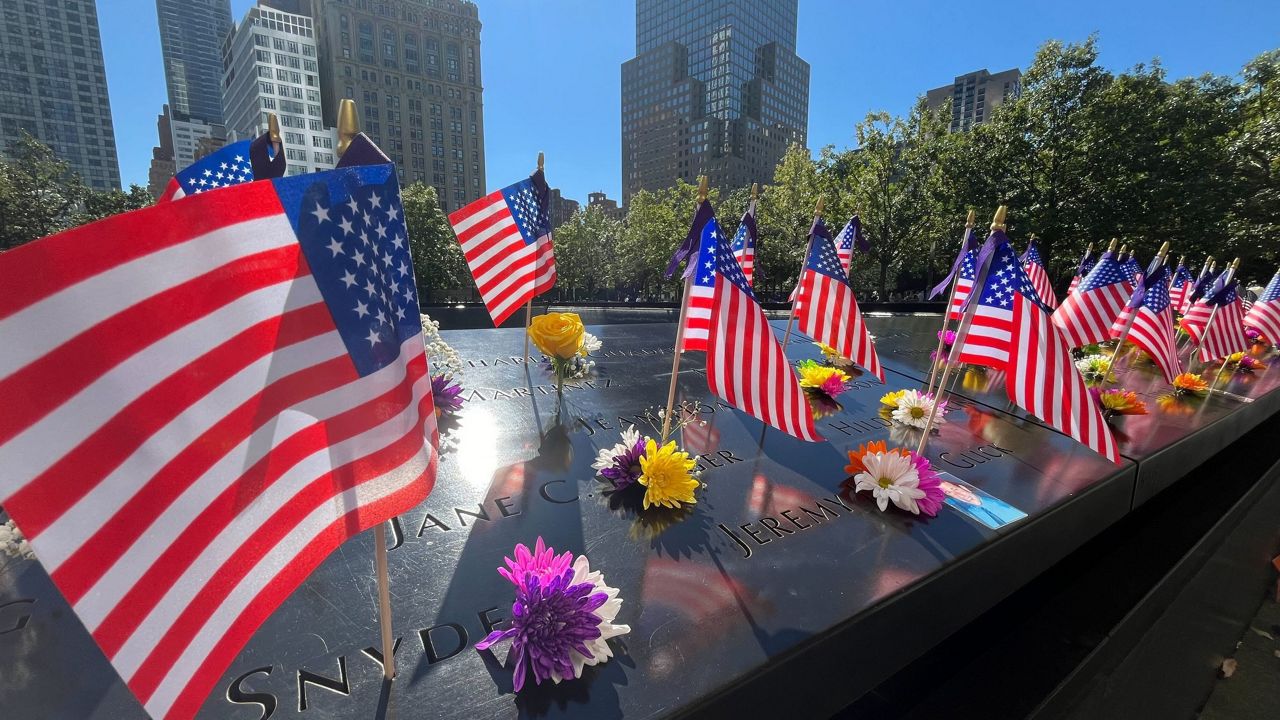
[859, 240]
[1153, 275]
[689, 248]
[994, 240]
[970, 244]
[362, 151]
[264, 166]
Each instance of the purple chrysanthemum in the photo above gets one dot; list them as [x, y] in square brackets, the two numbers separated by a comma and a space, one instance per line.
[447, 394]
[620, 464]
[542, 563]
[930, 483]
[550, 618]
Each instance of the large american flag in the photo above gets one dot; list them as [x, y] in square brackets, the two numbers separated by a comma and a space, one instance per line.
[207, 398]
[506, 238]
[1034, 265]
[831, 316]
[849, 239]
[1264, 316]
[1087, 261]
[1010, 330]
[746, 365]
[225, 167]
[964, 282]
[1222, 333]
[1180, 288]
[744, 243]
[697, 318]
[1085, 316]
[1152, 329]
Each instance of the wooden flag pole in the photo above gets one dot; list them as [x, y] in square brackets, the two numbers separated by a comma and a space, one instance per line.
[1128, 324]
[348, 129]
[791, 316]
[528, 306]
[1213, 312]
[969, 222]
[684, 311]
[980, 279]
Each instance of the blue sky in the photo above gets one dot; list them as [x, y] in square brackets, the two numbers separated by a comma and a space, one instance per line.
[551, 68]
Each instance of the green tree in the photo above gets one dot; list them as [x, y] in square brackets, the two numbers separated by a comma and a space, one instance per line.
[586, 253]
[439, 267]
[656, 224]
[783, 219]
[98, 205]
[39, 194]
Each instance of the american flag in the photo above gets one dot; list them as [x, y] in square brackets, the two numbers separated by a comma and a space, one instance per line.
[746, 365]
[744, 243]
[699, 435]
[832, 316]
[1264, 316]
[506, 238]
[850, 238]
[1193, 321]
[1222, 333]
[969, 244]
[1132, 270]
[1085, 317]
[964, 282]
[209, 397]
[226, 167]
[1087, 261]
[697, 318]
[1199, 288]
[1034, 265]
[1182, 282]
[1152, 329]
[1010, 330]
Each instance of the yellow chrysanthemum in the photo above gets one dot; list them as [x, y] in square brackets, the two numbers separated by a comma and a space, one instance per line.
[813, 375]
[890, 399]
[827, 350]
[1122, 402]
[667, 475]
[1235, 358]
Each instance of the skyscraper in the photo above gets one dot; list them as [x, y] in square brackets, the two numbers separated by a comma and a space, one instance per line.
[270, 62]
[974, 96]
[715, 89]
[191, 36]
[413, 68]
[53, 85]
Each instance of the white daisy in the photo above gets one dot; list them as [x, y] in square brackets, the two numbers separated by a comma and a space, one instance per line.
[590, 344]
[599, 647]
[914, 408]
[12, 542]
[891, 478]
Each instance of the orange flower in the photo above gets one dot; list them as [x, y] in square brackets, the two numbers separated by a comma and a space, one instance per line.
[855, 465]
[1190, 383]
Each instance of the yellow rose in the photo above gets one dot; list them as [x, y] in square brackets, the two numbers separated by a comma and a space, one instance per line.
[557, 335]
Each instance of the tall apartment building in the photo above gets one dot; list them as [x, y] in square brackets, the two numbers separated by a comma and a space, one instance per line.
[162, 167]
[974, 96]
[270, 64]
[413, 68]
[53, 85]
[562, 208]
[191, 36]
[715, 89]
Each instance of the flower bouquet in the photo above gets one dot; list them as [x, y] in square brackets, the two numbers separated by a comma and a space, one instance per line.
[898, 476]
[1094, 368]
[566, 343]
[821, 384]
[666, 472]
[1242, 363]
[562, 618]
[911, 408]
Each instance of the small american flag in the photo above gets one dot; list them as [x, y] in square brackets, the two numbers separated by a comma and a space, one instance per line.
[969, 244]
[1034, 265]
[1152, 329]
[1182, 282]
[744, 243]
[506, 238]
[697, 318]
[223, 168]
[964, 282]
[1085, 317]
[1264, 316]
[1132, 270]
[850, 238]
[1197, 315]
[746, 365]
[210, 396]
[1011, 331]
[1201, 286]
[1222, 333]
[831, 316]
[1087, 261]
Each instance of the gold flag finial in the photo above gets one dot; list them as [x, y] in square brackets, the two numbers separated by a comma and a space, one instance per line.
[273, 128]
[1112, 246]
[542, 158]
[1235, 265]
[1124, 248]
[755, 191]
[1182, 259]
[822, 202]
[971, 219]
[1089, 249]
[348, 124]
[702, 188]
[1164, 250]
[1032, 238]
[997, 222]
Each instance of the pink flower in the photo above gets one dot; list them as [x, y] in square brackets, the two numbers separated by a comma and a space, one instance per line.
[541, 563]
[930, 483]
